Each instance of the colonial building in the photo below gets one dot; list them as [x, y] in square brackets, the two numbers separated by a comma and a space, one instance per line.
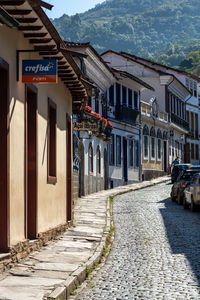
[125, 148]
[35, 127]
[154, 139]
[90, 143]
[191, 82]
[171, 96]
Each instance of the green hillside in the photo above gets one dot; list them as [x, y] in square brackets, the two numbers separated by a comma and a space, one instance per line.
[164, 30]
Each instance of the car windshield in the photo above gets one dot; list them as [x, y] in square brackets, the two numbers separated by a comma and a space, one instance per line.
[188, 175]
[178, 168]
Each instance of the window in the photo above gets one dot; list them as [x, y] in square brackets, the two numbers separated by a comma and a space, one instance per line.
[96, 105]
[90, 158]
[51, 142]
[112, 151]
[131, 153]
[195, 89]
[130, 98]
[192, 151]
[197, 152]
[118, 150]
[111, 95]
[152, 148]
[89, 101]
[146, 147]
[124, 95]
[98, 160]
[159, 149]
[136, 156]
[135, 100]
[191, 86]
[118, 91]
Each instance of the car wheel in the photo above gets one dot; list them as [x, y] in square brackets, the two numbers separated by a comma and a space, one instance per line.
[179, 199]
[185, 204]
[192, 205]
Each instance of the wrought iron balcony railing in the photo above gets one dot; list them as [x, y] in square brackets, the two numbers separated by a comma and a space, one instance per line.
[126, 114]
[178, 121]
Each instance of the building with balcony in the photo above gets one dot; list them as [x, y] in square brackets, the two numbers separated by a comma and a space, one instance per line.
[187, 116]
[171, 96]
[124, 108]
[155, 125]
[90, 163]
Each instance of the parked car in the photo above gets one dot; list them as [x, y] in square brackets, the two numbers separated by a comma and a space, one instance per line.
[180, 184]
[177, 169]
[192, 193]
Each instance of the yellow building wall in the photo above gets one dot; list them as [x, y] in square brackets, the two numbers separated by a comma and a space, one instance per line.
[51, 198]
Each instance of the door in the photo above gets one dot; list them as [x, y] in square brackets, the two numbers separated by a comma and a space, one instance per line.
[125, 165]
[31, 163]
[4, 158]
[105, 169]
[69, 168]
[165, 155]
[82, 171]
[90, 169]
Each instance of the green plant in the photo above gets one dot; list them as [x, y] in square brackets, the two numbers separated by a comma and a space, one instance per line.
[73, 293]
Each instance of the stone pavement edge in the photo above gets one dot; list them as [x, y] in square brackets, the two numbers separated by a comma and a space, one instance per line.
[56, 270]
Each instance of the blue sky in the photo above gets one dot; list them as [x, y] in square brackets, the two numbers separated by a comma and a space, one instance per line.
[70, 7]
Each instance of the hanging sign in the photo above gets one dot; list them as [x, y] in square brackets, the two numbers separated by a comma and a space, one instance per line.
[40, 71]
[85, 126]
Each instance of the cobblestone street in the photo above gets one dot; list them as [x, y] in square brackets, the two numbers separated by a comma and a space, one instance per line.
[155, 254]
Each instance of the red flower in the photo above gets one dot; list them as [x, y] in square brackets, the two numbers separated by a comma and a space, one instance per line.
[110, 124]
[88, 108]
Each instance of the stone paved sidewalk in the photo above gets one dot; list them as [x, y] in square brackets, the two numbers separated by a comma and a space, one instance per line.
[56, 269]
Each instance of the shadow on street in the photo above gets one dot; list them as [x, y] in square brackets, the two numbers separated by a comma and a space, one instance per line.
[183, 232]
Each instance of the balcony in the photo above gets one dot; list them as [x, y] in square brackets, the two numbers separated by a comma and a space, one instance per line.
[147, 111]
[180, 122]
[126, 114]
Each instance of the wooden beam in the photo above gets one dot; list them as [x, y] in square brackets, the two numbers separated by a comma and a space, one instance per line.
[77, 89]
[53, 57]
[45, 48]
[61, 63]
[30, 28]
[12, 2]
[35, 34]
[18, 12]
[42, 3]
[69, 76]
[63, 67]
[26, 20]
[54, 52]
[40, 41]
[63, 72]
[71, 82]
[73, 53]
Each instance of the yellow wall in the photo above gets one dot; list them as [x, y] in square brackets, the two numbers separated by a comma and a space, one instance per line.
[51, 198]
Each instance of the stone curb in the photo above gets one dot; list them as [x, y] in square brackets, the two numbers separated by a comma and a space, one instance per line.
[79, 276]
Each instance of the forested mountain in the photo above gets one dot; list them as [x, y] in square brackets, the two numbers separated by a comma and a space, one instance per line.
[163, 30]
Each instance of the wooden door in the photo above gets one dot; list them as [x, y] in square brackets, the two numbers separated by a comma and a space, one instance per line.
[4, 158]
[31, 163]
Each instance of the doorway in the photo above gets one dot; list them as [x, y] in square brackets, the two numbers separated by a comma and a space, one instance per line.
[4, 158]
[105, 169]
[31, 163]
[165, 155]
[125, 163]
